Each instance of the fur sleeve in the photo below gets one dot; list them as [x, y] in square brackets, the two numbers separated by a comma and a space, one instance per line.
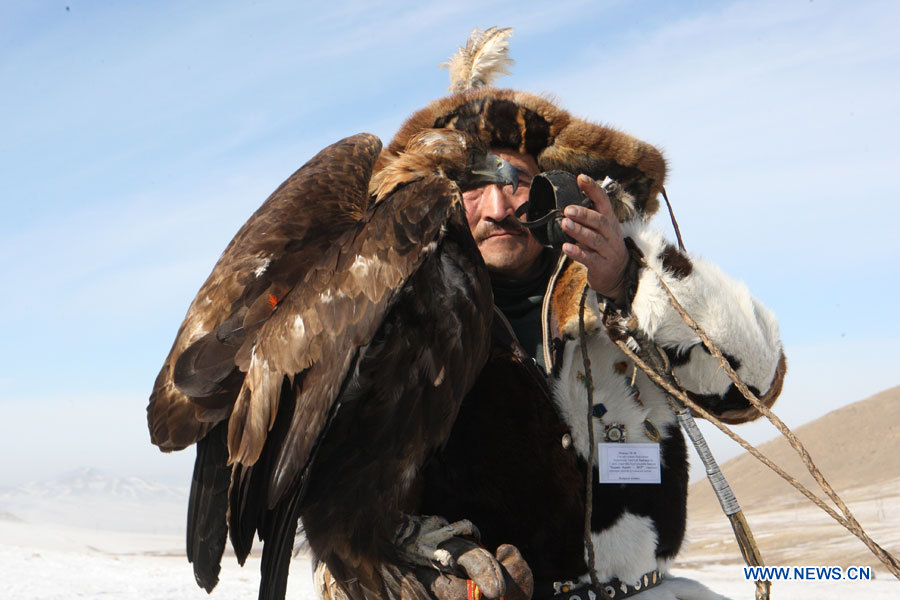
[744, 330]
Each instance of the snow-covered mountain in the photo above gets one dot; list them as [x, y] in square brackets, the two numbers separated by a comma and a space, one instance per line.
[92, 499]
[6, 516]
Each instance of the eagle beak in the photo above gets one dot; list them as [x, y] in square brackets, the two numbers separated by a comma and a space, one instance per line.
[497, 171]
[508, 174]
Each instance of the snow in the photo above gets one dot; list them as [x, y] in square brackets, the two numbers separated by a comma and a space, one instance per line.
[32, 574]
[42, 559]
[89, 534]
[729, 580]
[48, 562]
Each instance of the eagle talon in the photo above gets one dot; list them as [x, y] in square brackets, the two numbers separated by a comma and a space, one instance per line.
[452, 549]
[445, 558]
[420, 538]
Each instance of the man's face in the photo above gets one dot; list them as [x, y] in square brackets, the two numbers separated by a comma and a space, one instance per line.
[507, 247]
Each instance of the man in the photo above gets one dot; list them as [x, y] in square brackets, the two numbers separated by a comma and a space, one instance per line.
[516, 461]
[513, 255]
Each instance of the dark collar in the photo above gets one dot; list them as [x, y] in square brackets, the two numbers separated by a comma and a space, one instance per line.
[515, 297]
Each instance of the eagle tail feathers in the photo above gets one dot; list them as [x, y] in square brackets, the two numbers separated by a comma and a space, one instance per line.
[249, 507]
[244, 508]
[207, 523]
[278, 532]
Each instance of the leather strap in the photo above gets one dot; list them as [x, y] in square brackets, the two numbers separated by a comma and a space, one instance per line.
[614, 589]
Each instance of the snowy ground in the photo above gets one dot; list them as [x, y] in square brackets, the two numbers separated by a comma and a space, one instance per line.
[50, 562]
[58, 575]
[94, 535]
[729, 580]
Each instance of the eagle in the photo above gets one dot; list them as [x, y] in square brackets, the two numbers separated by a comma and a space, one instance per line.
[325, 358]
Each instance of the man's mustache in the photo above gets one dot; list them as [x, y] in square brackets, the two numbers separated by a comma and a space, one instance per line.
[508, 225]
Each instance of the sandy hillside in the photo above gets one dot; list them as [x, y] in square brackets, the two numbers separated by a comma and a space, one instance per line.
[857, 449]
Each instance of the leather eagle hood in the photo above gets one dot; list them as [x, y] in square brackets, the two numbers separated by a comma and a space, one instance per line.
[535, 125]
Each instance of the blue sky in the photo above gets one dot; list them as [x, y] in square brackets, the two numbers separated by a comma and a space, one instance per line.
[135, 138]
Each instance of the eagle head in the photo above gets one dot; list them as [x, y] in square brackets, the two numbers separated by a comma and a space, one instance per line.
[458, 156]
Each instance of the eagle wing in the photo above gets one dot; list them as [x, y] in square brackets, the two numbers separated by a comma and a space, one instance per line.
[281, 242]
[301, 288]
[325, 319]
[324, 299]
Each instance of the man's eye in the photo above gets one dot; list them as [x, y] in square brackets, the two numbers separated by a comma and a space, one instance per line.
[472, 195]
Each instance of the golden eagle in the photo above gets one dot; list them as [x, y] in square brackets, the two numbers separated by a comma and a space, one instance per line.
[326, 356]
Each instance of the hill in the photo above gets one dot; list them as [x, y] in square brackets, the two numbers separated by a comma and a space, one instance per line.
[92, 499]
[856, 447]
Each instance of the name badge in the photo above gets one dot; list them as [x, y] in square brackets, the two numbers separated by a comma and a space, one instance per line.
[628, 463]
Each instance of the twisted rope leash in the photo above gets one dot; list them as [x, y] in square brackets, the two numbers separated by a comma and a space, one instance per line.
[659, 363]
[847, 520]
[589, 476]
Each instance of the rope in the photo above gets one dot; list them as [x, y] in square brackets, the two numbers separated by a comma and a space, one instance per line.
[674, 222]
[589, 475]
[847, 520]
[659, 363]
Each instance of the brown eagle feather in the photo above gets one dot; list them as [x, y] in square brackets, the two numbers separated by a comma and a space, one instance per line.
[301, 314]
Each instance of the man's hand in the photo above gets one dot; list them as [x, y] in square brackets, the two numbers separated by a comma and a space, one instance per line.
[600, 245]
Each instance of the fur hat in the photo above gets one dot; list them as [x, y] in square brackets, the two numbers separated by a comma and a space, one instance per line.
[536, 126]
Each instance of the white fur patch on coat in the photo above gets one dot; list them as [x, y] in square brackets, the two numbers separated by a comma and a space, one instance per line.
[736, 321]
[625, 550]
[612, 390]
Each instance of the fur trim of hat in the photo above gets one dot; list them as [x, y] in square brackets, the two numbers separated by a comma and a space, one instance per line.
[537, 126]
